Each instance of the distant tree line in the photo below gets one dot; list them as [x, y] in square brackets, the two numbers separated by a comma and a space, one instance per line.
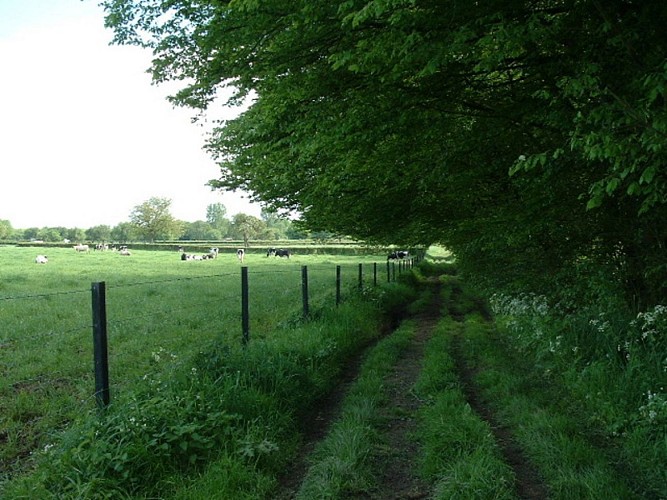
[152, 221]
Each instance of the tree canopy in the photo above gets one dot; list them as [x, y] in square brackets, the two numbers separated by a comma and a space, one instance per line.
[152, 220]
[528, 136]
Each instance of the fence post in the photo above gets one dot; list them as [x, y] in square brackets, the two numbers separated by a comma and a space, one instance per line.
[388, 272]
[393, 271]
[245, 308]
[100, 344]
[337, 285]
[304, 289]
[361, 277]
[375, 274]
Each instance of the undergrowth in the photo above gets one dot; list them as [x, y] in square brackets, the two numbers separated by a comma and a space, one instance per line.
[613, 367]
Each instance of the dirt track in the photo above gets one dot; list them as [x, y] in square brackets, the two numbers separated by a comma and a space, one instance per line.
[397, 459]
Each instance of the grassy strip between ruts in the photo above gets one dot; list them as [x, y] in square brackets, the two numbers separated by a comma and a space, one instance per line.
[460, 456]
[541, 418]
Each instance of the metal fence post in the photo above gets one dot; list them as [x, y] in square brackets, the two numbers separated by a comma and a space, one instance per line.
[245, 308]
[100, 344]
[337, 285]
[304, 289]
[375, 274]
[361, 277]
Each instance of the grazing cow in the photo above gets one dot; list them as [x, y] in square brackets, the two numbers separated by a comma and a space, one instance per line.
[213, 252]
[81, 248]
[282, 253]
[102, 246]
[400, 254]
[41, 259]
[270, 252]
[240, 254]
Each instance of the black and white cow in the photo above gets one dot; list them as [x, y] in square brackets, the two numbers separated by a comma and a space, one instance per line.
[240, 254]
[189, 256]
[41, 259]
[270, 252]
[398, 254]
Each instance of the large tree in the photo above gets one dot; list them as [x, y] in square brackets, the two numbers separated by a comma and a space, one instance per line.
[6, 230]
[528, 136]
[247, 227]
[216, 216]
[152, 220]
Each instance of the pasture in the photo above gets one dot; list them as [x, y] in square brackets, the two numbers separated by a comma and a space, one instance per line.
[160, 310]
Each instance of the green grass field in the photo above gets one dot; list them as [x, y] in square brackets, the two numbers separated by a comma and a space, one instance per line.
[159, 310]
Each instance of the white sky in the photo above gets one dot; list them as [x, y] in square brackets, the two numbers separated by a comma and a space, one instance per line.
[84, 136]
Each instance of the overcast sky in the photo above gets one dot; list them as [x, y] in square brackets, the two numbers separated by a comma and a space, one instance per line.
[84, 136]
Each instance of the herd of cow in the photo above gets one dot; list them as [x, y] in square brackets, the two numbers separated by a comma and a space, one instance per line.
[212, 253]
[240, 254]
[122, 250]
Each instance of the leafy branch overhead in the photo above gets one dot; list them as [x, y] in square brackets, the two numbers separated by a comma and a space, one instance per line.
[523, 135]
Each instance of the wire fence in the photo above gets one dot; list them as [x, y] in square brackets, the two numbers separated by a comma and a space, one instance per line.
[139, 328]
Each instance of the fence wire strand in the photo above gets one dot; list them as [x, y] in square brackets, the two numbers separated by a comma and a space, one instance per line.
[42, 295]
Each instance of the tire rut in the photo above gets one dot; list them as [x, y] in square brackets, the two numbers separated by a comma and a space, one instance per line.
[316, 425]
[398, 476]
[529, 484]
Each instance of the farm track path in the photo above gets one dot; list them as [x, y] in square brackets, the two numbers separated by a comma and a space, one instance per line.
[397, 458]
